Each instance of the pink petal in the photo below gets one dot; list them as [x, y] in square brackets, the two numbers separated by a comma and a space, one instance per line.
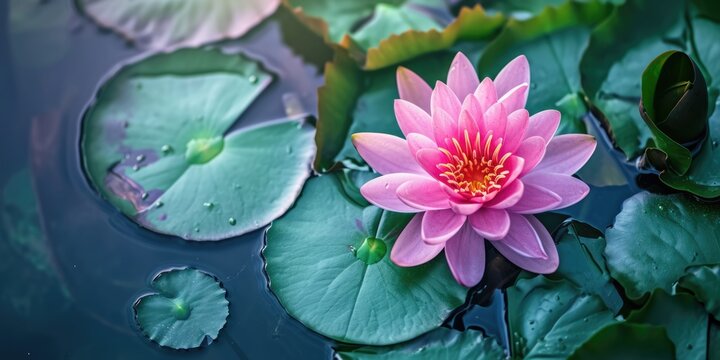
[543, 124]
[464, 208]
[382, 191]
[385, 153]
[566, 154]
[444, 98]
[535, 200]
[417, 142]
[424, 194]
[429, 159]
[516, 98]
[467, 124]
[465, 254]
[515, 165]
[522, 239]
[409, 249]
[462, 78]
[517, 123]
[532, 150]
[485, 94]
[412, 119]
[413, 88]
[440, 225]
[444, 127]
[537, 265]
[570, 189]
[492, 224]
[508, 196]
[516, 72]
[495, 120]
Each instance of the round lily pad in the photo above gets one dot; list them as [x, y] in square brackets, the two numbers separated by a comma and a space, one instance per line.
[154, 144]
[440, 344]
[704, 283]
[164, 23]
[655, 238]
[188, 309]
[328, 260]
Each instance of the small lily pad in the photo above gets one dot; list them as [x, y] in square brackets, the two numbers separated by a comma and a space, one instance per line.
[189, 309]
[440, 344]
[550, 319]
[154, 144]
[704, 282]
[655, 238]
[161, 24]
[328, 260]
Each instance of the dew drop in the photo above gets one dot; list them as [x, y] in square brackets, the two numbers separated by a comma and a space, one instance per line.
[144, 196]
[159, 204]
[253, 79]
[387, 186]
[289, 149]
[197, 229]
[557, 297]
[661, 208]
[714, 143]
[166, 149]
[208, 204]
[140, 158]
[532, 322]
[136, 167]
[232, 221]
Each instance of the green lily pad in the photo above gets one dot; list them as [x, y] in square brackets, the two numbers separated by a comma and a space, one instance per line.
[328, 260]
[655, 238]
[622, 46]
[627, 341]
[160, 24]
[550, 319]
[523, 9]
[441, 344]
[684, 320]
[704, 283]
[553, 42]
[580, 248]
[154, 144]
[337, 21]
[189, 309]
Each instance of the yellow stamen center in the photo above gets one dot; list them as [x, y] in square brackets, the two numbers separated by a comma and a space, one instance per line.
[474, 168]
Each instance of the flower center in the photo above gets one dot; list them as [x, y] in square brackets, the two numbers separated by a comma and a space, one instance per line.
[474, 168]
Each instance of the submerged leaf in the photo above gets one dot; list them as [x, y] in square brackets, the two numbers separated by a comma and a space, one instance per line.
[161, 24]
[188, 309]
[154, 144]
[328, 261]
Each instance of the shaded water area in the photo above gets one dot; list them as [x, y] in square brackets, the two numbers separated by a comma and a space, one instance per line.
[71, 265]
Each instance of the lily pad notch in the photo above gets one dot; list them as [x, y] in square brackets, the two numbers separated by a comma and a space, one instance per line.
[155, 144]
[188, 309]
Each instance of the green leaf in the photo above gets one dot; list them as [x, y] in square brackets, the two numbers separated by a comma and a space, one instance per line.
[550, 319]
[621, 47]
[188, 309]
[160, 24]
[656, 237]
[683, 318]
[471, 24]
[365, 23]
[553, 42]
[703, 282]
[580, 249]
[154, 144]
[627, 341]
[714, 341]
[321, 277]
[441, 344]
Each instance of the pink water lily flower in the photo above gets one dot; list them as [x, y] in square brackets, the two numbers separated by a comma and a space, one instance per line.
[474, 166]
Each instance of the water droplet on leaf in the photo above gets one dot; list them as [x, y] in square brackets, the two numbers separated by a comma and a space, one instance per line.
[232, 221]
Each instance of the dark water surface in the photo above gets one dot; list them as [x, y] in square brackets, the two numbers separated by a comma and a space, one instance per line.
[71, 265]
